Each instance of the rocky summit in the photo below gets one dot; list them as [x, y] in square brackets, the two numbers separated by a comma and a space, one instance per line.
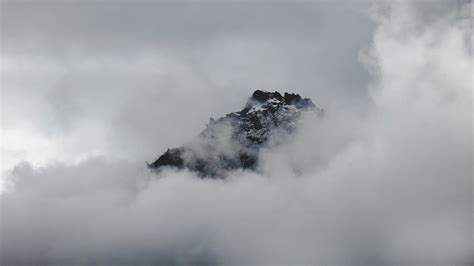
[233, 141]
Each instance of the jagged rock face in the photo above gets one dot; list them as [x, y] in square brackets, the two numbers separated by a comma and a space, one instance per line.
[233, 141]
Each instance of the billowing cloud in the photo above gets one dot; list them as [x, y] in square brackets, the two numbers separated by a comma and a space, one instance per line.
[387, 186]
[129, 80]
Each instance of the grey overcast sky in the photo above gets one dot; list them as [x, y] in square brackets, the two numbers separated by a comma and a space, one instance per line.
[148, 75]
[119, 78]
[91, 90]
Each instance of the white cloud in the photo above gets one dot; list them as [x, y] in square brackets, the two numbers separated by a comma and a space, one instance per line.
[391, 187]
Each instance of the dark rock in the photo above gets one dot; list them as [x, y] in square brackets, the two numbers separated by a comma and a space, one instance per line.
[172, 157]
[263, 96]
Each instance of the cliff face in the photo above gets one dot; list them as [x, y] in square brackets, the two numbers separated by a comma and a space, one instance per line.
[233, 141]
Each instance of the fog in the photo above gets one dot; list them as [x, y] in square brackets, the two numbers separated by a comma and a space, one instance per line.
[383, 178]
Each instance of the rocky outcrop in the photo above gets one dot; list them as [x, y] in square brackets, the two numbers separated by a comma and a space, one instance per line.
[233, 141]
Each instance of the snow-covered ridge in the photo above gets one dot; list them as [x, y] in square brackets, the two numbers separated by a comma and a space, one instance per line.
[233, 141]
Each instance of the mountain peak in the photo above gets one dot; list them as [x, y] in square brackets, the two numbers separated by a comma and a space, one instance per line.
[287, 98]
[233, 141]
[263, 96]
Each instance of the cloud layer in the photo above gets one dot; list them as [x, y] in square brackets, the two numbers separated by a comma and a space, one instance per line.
[129, 80]
[389, 185]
